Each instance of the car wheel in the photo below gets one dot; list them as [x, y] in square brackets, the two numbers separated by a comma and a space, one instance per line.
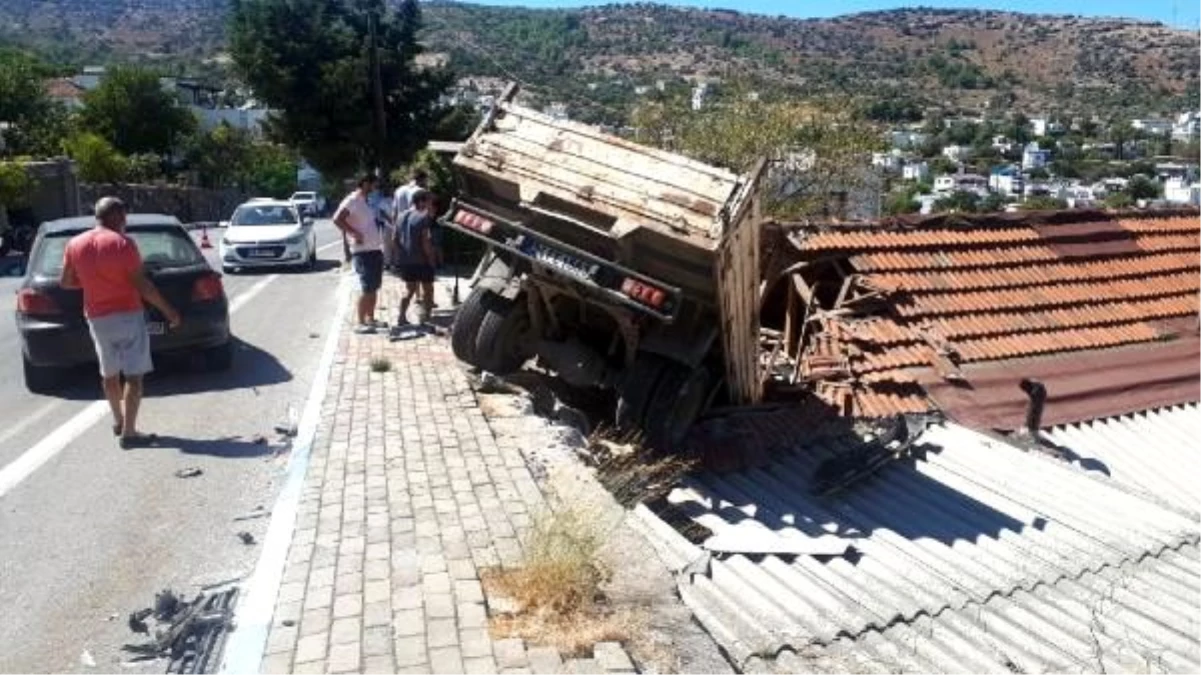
[312, 262]
[40, 379]
[466, 327]
[502, 345]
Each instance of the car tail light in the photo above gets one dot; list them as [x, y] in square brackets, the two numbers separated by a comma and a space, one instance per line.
[207, 288]
[31, 301]
[644, 293]
[474, 221]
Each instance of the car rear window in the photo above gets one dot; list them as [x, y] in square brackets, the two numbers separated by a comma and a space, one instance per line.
[250, 214]
[160, 249]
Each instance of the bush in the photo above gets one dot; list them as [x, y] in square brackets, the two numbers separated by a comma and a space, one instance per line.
[96, 159]
[15, 185]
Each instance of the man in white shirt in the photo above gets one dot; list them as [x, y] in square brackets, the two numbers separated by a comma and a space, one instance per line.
[356, 218]
[402, 200]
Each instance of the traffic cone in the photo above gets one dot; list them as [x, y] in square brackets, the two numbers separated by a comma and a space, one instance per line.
[204, 237]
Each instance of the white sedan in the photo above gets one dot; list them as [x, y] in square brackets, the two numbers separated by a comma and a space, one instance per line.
[268, 233]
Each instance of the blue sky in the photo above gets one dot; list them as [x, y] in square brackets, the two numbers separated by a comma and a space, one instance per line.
[1186, 11]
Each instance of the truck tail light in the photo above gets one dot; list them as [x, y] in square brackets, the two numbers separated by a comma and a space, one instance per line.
[207, 288]
[31, 301]
[474, 221]
[644, 293]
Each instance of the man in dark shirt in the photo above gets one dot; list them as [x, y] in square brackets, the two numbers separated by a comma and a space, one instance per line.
[416, 256]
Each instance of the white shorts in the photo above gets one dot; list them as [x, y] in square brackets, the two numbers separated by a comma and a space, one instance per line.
[122, 344]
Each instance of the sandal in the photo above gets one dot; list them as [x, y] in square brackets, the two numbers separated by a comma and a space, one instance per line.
[117, 429]
[138, 440]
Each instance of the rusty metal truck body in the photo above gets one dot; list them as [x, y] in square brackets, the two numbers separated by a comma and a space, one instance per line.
[616, 265]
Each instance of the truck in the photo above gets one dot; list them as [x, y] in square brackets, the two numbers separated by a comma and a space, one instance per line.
[617, 266]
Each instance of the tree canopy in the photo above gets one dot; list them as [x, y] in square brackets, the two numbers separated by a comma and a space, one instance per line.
[310, 61]
[131, 110]
[36, 122]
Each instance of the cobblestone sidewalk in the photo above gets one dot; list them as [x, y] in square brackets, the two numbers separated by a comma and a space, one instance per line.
[407, 497]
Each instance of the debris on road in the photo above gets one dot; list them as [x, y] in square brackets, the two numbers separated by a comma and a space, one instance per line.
[87, 660]
[246, 537]
[190, 634]
[314, 336]
[258, 512]
[190, 472]
[259, 439]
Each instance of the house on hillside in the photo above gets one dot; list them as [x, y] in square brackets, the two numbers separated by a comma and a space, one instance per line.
[1155, 127]
[916, 171]
[65, 91]
[961, 182]
[1181, 191]
[957, 153]
[888, 161]
[906, 139]
[1034, 157]
[1037, 375]
[1187, 126]
[1007, 180]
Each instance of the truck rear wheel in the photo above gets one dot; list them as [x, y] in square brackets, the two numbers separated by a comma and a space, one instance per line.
[636, 389]
[503, 344]
[682, 395]
[466, 328]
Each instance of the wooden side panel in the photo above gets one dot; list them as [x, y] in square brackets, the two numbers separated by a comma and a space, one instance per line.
[737, 269]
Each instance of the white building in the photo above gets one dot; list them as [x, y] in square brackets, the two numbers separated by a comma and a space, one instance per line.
[1034, 157]
[918, 171]
[1179, 191]
[247, 119]
[1042, 126]
[961, 182]
[903, 139]
[556, 111]
[1187, 126]
[957, 153]
[1152, 126]
[1002, 144]
[889, 161]
[698, 95]
[1007, 181]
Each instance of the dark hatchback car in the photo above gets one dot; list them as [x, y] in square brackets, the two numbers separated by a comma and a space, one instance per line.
[54, 333]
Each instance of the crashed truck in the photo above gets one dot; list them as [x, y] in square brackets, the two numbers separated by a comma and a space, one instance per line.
[613, 264]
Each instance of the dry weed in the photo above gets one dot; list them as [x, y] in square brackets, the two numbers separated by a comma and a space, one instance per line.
[380, 364]
[556, 592]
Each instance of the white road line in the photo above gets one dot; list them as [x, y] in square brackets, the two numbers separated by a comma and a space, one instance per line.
[32, 459]
[329, 245]
[244, 651]
[17, 428]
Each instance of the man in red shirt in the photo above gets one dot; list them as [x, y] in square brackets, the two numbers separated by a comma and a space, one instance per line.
[106, 264]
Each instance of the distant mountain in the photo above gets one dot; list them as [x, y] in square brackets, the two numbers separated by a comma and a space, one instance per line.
[592, 59]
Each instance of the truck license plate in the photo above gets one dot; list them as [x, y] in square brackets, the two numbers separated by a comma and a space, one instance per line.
[563, 262]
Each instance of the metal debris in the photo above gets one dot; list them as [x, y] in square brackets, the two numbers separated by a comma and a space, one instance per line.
[246, 537]
[190, 634]
[190, 472]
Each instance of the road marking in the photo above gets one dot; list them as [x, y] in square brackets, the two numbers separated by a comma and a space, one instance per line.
[17, 428]
[244, 651]
[329, 245]
[32, 459]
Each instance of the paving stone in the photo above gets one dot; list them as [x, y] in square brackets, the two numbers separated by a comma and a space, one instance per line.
[469, 591]
[311, 647]
[544, 660]
[310, 668]
[472, 615]
[409, 651]
[282, 639]
[288, 611]
[475, 642]
[510, 653]
[612, 658]
[377, 614]
[439, 605]
[276, 664]
[291, 592]
[582, 666]
[348, 629]
[441, 632]
[446, 660]
[378, 664]
[407, 598]
[484, 665]
[348, 605]
[345, 658]
[408, 622]
[377, 641]
[315, 621]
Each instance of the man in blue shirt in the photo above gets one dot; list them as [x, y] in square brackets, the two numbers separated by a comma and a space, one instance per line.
[416, 256]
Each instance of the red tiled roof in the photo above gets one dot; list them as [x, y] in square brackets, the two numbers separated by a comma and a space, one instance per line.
[63, 88]
[945, 292]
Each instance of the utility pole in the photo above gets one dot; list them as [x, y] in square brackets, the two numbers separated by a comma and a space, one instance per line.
[377, 91]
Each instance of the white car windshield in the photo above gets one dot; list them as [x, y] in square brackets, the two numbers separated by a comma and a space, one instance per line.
[264, 214]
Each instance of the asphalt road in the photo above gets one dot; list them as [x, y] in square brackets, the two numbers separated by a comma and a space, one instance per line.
[93, 533]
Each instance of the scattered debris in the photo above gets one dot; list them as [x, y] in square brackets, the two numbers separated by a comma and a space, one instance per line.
[380, 364]
[190, 634]
[314, 336]
[246, 537]
[113, 617]
[258, 512]
[288, 430]
[288, 623]
[87, 659]
[259, 439]
[189, 472]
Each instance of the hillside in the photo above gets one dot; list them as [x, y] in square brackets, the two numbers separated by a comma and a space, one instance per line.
[593, 58]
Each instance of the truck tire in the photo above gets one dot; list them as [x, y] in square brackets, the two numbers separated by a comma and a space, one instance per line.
[636, 389]
[681, 396]
[466, 328]
[503, 342]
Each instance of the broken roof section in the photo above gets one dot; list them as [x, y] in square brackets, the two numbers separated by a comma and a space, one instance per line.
[951, 312]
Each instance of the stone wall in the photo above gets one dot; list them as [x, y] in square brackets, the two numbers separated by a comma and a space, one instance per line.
[189, 204]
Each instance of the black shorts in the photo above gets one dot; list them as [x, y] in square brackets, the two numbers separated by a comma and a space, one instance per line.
[369, 265]
[417, 274]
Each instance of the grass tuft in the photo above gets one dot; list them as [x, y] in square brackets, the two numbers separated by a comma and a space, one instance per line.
[555, 594]
[380, 364]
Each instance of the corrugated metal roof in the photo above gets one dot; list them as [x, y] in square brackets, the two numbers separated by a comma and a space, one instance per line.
[975, 530]
[1151, 452]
